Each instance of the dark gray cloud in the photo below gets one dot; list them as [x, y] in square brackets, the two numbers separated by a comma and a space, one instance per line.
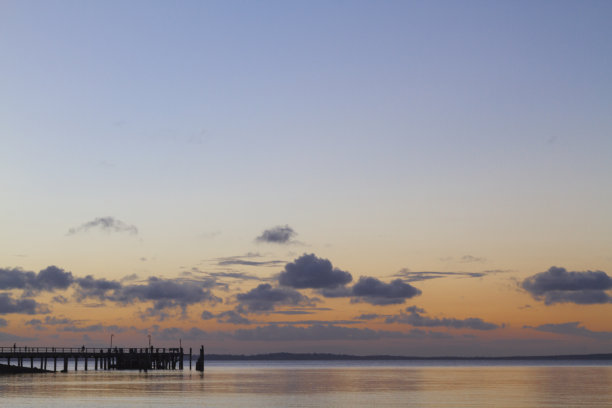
[376, 292]
[277, 235]
[165, 293]
[90, 287]
[557, 285]
[265, 298]
[415, 318]
[3, 323]
[107, 224]
[49, 279]
[573, 329]
[21, 306]
[308, 271]
[15, 279]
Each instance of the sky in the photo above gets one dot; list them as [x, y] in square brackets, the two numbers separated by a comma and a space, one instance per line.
[424, 178]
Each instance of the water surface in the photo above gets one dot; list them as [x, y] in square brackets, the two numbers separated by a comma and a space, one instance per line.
[324, 384]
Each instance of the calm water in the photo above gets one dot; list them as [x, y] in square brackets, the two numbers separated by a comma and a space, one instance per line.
[323, 384]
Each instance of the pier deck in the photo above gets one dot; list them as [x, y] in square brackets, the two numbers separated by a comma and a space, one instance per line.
[57, 358]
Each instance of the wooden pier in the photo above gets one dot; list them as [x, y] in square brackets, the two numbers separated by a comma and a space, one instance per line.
[55, 359]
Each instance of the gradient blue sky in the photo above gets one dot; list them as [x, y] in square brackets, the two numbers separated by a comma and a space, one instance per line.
[391, 137]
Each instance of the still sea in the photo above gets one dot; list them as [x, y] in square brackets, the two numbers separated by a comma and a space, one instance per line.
[324, 384]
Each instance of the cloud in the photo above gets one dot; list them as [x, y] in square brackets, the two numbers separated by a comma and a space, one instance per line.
[277, 235]
[52, 320]
[313, 322]
[308, 271]
[416, 319]
[21, 306]
[470, 259]
[573, 329]
[235, 275]
[3, 323]
[206, 315]
[376, 292]
[368, 316]
[412, 276]
[48, 279]
[557, 285]
[232, 317]
[89, 287]
[33, 322]
[229, 316]
[265, 298]
[293, 312]
[52, 278]
[239, 260]
[165, 293]
[107, 224]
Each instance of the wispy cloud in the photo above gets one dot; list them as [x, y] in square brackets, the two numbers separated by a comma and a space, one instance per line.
[415, 276]
[106, 224]
[415, 317]
[572, 329]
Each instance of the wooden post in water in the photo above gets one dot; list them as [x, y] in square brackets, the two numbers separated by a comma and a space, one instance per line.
[200, 362]
[189, 358]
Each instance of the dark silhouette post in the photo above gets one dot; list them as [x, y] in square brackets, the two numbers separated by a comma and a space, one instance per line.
[200, 362]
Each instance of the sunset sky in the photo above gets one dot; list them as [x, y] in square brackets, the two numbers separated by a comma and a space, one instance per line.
[368, 177]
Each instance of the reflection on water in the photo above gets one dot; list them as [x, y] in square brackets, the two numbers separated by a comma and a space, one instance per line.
[320, 384]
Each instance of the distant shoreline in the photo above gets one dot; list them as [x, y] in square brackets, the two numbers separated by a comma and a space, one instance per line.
[348, 357]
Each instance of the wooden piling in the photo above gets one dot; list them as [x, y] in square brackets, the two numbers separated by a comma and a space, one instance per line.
[200, 362]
